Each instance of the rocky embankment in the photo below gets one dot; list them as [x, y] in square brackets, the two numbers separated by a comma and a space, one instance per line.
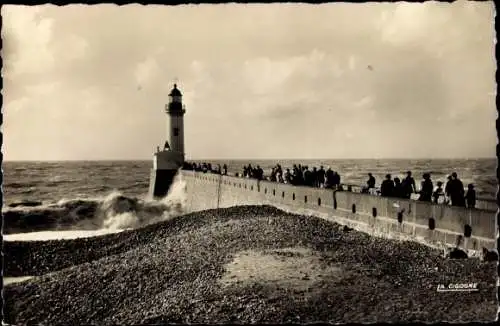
[251, 264]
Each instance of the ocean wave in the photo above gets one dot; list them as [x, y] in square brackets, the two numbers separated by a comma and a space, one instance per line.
[114, 212]
[19, 185]
[58, 183]
[30, 190]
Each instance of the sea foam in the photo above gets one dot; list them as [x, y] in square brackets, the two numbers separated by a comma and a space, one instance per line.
[86, 217]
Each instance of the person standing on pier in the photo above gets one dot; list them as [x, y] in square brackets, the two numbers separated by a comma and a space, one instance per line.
[438, 192]
[272, 177]
[260, 173]
[321, 176]
[287, 177]
[427, 188]
[308, 177]
[329, 178]
[295, 175]
[387, 187]
[457, 192]
[315, 177]
[398, 189]
[471, 196]
[447, 189]
[298, 177]
[279, 173]
[370, 184]
[409, 185]
[336, 180]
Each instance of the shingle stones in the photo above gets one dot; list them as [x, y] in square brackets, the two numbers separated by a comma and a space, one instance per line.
[172, 272]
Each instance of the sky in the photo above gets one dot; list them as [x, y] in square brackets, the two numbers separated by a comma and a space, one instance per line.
[262, 81]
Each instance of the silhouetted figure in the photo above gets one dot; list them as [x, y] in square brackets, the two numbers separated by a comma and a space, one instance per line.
[287, 176]
[314, 175]
[329, 180]
[347, 229]
[457, 253]
[308, 177]
[260, 173]
[427, 188]
[438, 192]
[457, 191]
[249, 171]
[471, 196]
[387, 187]
[408, 185]
[298, 176]
[321, 176]
[336, 180]
[166, 147]
[279, 174]
[294, 175]
[370, 184]
[224, 168]
[398, 189]
[272, 177]
[489, 255]
[447, 188]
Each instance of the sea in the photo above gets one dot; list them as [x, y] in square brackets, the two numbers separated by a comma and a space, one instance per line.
[117, 190]
[93, 198]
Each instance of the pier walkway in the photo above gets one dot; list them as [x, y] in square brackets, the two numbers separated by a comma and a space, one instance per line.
[483, 203]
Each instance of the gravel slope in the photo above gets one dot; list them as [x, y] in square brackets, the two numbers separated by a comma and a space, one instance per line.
[171, 272]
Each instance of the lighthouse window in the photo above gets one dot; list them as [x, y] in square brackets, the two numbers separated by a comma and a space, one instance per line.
[176, 131]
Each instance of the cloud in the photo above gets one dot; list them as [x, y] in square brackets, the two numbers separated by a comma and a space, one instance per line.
[280, 80]
[146, 71]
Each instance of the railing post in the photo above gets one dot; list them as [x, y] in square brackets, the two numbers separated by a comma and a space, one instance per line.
[219, 190]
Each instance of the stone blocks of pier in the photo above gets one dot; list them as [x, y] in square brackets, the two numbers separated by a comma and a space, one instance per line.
[432, 224]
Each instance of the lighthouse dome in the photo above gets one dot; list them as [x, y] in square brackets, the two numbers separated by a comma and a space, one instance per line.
[175, 91]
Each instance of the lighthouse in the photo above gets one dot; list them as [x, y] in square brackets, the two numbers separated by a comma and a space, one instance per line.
[167, 161]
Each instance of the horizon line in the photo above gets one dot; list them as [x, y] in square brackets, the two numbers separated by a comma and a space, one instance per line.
[256, 159]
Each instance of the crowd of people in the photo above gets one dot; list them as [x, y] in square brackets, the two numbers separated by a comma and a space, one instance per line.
[205, 168]
[453, 193]
[301, 175]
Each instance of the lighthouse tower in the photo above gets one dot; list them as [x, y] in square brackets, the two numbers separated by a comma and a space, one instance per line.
[167, 161]
[175, 110]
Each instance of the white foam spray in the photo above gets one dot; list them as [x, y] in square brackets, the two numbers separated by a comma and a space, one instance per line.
[115, 213]
[147, 211]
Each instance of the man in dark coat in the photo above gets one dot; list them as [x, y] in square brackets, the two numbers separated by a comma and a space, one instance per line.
[408, 185]
[387, 187]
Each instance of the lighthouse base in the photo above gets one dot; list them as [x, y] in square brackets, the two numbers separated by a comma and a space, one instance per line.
[160, 182]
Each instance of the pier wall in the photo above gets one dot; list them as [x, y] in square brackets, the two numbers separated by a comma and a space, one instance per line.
[432, 224]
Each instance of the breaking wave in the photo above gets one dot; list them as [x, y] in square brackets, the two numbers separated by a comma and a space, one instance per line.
[112, 212]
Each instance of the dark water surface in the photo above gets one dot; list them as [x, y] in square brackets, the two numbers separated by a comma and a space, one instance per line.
[53, 181]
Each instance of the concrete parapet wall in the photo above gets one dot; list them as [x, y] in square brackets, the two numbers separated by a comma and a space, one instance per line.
[432, 224]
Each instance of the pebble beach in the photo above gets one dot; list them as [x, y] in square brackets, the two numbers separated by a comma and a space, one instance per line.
[248, 264]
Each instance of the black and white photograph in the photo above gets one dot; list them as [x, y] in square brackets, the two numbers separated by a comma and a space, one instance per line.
[249, 163]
